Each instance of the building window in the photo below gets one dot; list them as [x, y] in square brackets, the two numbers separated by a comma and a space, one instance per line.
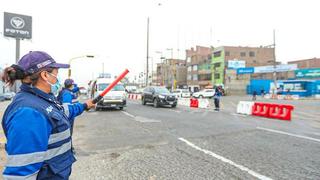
[188, 59]
[217, 54]
[189, 68]
[227, 53]
[216, 65]
[252, 54]
[189, 77]
[243, 54]
[195, 67]
[216, 76]
[195, 77]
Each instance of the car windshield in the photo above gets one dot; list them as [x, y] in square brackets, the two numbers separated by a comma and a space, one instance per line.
[162, 90]
[118, 87]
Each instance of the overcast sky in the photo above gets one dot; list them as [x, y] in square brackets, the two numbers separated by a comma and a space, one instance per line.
[115, 31]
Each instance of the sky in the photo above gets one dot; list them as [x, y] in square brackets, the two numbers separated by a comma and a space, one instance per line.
[115, 32]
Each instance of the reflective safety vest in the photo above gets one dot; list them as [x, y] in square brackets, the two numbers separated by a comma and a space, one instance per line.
[38, 136]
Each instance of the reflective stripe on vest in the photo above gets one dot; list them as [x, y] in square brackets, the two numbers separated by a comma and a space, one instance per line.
[31, 158]
[66, 108]
[59, 136]
[28, 177]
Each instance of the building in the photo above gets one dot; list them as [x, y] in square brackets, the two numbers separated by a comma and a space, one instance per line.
[246, 56]
[199, 67]
[172, 73]
[307, 63]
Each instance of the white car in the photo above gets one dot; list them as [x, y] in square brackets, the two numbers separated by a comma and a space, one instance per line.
[181, 93]
[206, 93]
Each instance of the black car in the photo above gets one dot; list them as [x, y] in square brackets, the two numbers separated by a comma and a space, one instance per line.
[159, 96]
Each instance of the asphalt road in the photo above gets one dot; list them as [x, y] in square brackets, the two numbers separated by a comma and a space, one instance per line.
[143, 142]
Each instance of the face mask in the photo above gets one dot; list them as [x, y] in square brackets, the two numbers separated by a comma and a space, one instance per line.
[56, 86]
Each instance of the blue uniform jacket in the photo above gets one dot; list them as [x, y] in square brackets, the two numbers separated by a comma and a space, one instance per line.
[37, 129]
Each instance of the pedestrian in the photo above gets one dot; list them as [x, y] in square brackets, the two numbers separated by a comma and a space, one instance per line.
[36, 126]
[67, 96]
[217, 95]
[254, 95]
[262, 93]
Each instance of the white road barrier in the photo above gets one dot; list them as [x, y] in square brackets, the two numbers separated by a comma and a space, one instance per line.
[204, 103]
[245, 107]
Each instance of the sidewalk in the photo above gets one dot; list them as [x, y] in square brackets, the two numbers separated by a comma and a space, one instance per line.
[3, 106]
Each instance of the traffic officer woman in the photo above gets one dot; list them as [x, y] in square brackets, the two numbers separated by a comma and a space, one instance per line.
[37, 128]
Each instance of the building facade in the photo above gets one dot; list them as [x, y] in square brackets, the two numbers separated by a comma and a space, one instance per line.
[307, 63]
[172, 73]
[199, 67]
[250, 56]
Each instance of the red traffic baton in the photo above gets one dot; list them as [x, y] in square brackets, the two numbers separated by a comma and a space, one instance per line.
[105, 91]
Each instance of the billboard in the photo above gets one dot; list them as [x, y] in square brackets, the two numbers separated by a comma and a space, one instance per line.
[235, 64]
[279, 68]
[307, 73]
[267, 69]
[17, 26]
[248, 70]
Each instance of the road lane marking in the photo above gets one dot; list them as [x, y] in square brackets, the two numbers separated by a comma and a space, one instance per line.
[235, 114]
[318, 134]
[243, 168]
[175, 111]
[130, 115]
[140, 119]
[289, 134]
[233, 104]
[306, 114]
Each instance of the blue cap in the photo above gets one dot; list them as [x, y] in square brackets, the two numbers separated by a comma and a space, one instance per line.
[36, 60]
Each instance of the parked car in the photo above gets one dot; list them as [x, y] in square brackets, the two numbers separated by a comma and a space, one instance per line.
[9, 95]
[159, 96]
[2, 97]
[83, 90]
[205, 93]
[181, 93]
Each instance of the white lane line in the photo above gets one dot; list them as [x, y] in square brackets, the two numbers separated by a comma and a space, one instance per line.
[130, 115]
[318, 134]
[235, 114]
[306, 114]
[243, 168]
[175, 111]
[233, 104]
[140, 119]
[289, 134]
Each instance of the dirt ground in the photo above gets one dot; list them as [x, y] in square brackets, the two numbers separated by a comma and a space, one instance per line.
[2, 157]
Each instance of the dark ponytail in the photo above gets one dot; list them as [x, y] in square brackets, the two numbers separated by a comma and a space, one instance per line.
[13, 73]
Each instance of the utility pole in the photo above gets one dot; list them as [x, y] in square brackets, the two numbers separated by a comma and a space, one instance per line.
[274, 62]
[147, 73]
[17, 83]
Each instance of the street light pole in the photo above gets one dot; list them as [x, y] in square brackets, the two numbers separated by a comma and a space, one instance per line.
[274, 62]
[147, 73]
[69, 70]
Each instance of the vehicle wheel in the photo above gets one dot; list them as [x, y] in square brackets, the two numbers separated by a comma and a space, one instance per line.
[97, 109]
[200, 96]
[121, 108]
[155, 103]
[143, 101]
[174, 105]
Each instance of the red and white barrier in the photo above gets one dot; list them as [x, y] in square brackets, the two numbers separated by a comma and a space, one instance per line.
[268, 110]
[134, 96]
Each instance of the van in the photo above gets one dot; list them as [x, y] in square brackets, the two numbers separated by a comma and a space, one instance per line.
[116, 98]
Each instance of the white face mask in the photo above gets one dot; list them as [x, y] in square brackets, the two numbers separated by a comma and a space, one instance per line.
[54, 89]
